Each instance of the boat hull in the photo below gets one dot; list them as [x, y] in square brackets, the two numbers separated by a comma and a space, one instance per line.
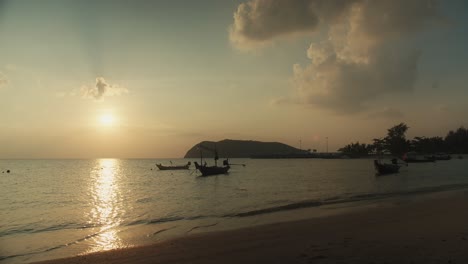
[383, 169]
[419, 160]
[442, 156]
[162, 167]
[211, 170]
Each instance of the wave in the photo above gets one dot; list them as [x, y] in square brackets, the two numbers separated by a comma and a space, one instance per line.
[202, 226]
[27, 229]
[354, 198]
[283, 207]
[261, 211]
[53, 247]
[144, 200]
[155, 221]
[30, 230]
[162, 230]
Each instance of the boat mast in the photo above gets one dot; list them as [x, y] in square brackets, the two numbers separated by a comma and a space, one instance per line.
[327, 144]
[216, 156]
[201, 156]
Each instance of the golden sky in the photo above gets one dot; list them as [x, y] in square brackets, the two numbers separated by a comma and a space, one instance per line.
[149, 79]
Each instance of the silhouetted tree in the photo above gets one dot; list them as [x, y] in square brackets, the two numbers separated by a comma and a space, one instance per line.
[378, 146]
[428, 145]
[356, 149]
[395, 141]
[457, 142]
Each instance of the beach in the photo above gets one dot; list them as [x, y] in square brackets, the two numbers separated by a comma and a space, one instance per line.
[428, 228]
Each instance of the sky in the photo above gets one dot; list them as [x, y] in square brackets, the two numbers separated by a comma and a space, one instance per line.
[150, 79]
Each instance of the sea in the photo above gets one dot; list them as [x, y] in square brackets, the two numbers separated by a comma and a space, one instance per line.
[60, 208]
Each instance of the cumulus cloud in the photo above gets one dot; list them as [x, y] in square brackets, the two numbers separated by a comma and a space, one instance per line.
[101, 89]
[365, 54]
[258, 22]
[3, 80]
[346, 84]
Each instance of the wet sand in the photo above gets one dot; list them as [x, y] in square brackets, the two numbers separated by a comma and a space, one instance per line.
[432, 230]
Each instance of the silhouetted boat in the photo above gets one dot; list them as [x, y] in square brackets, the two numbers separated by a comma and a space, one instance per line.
[419, 160]
[412, 157]
[179, 167]
[211, 170]
[442, 156]
[386, 168]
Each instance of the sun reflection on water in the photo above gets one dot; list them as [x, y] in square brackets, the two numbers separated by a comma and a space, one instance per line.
[107, 204]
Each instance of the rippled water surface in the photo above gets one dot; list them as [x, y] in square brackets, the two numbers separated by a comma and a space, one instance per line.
[59, 208]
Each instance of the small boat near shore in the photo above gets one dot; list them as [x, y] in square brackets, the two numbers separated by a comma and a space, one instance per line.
[386, 168]
[177, 167]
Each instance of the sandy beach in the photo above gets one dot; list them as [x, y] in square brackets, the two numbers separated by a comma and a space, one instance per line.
[429, 230]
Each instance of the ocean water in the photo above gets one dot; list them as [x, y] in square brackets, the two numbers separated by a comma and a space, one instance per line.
[60, 208]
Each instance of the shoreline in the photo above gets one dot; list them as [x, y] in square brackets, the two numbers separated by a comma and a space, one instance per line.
[423, 229]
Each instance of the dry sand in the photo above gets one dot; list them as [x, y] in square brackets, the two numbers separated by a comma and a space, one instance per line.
[419, 231]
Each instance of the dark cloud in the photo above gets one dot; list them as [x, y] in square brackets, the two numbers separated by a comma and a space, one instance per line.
[365, 54]
[258, 22]
[101, 89]
[346, 85]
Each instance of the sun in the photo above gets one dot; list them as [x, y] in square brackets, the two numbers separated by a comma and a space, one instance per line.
[107, 120]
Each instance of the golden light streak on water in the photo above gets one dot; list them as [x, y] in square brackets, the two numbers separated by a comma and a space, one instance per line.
[106, 198]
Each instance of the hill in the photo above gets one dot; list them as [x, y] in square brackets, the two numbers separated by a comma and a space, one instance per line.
[242, 149]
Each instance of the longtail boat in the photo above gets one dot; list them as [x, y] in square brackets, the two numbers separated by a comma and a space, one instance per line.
[386, 168]
[211, 170]
[177, 167]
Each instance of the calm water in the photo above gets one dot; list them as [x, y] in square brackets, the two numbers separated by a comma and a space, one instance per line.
[59, 208]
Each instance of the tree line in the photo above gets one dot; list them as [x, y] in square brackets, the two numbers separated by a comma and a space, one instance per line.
[396, 143]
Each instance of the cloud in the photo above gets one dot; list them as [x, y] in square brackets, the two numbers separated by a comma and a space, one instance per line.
[258, 22]
[367, 51]
[101, 89]
[3, 80]
[346, 85]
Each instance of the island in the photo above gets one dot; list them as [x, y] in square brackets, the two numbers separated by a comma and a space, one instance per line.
[229, 148]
